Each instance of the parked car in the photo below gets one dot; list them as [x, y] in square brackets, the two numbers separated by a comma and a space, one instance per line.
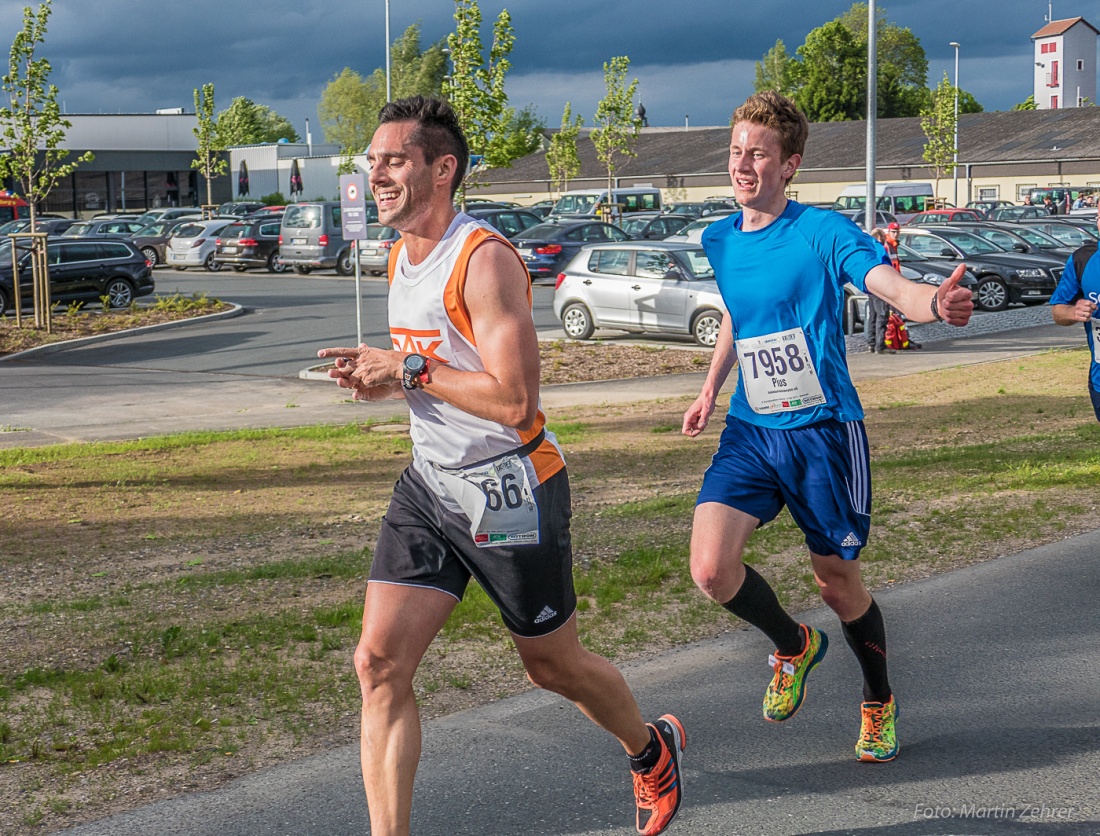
[374, 252]
[169, 213]
[859, 217]
[548, 247]
[987, 206]
[239, 208]
[1013, 213]
[508, 222]
[653, 227]
[192, 244]
[1003, 277]
[80, 269]
[1064, 229]
[585, 203]
[693, 232]
[944, 216]
[924, 270]
[640, 286]
[903, 200]
[312, 238]
[104, 228]
[250, 242]
[152, 239]
[542, 208]
[1020, 238]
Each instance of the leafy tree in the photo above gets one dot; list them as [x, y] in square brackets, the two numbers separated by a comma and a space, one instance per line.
[33, 129]
[834, 75]
[1026, 104]
[561, 156]
[938, 124]
[616, 121]
[350, 103]
[346, 114]
[246, 123]
[828, 74]
[476, 92]
[778, 71]
[209, 160]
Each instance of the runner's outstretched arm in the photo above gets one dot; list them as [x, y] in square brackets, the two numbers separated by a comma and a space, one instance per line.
[915, 301]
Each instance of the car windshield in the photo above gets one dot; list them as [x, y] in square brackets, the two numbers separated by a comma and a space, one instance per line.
[633, 225]
[302, 217]
[576, 204]
[697, 263]
[539, 231]
[79, 229]
[1070, 235]
[1034, 236]
[153, 230]
[905, 254]
[189, 231]
[970, 244]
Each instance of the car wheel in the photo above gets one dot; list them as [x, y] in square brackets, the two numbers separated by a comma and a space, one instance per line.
[212, 265]
[344, 264]
[577, 321]
[150, 254]
[3, 302]
[705, 326]
[302, 271]
[275, 264]
[119, 292]
[992, 294]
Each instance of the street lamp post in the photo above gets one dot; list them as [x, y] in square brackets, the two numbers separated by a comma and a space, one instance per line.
[955, 166]
[389, 89]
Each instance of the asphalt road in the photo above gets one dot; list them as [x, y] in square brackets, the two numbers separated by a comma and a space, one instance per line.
[994, 671]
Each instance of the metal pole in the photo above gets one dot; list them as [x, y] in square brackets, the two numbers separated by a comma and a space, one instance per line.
[389, 88]
[358, 294]
[872, 112]
[955, 166]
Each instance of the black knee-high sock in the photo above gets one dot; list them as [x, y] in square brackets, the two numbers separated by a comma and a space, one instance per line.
[755, 602]
[867, 638]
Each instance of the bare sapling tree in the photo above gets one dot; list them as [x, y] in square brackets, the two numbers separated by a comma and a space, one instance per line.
[33, 130]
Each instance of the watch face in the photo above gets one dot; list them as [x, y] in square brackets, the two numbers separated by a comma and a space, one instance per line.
[414, 364]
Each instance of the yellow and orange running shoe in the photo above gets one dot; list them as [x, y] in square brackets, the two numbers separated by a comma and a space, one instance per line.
[659, 791]
[878, 738]
[788, 687]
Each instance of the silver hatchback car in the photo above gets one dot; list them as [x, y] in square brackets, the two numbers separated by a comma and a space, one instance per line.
[640, 286]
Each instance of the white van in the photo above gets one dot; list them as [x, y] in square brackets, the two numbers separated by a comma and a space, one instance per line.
[902, 200]
[583, 203]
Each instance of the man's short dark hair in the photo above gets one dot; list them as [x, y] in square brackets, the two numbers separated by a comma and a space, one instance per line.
[437, 130]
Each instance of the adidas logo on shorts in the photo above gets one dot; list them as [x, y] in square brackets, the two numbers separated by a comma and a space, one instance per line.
[545, 615]
[851, 540]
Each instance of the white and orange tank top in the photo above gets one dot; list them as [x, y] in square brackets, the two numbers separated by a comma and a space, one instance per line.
[428, 316]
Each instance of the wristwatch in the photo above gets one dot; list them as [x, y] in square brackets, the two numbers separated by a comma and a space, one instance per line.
[414, 373]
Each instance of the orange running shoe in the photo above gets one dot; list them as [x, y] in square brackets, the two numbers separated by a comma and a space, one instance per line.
[659, 791]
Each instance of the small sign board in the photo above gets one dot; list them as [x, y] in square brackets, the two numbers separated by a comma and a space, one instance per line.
[353, 206]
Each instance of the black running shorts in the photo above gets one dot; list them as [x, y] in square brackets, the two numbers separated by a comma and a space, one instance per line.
[423, 543]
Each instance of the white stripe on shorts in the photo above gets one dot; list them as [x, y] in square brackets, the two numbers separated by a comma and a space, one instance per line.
[859, 483]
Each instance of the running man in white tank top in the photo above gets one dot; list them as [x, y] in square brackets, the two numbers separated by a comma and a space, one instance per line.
[487, 493]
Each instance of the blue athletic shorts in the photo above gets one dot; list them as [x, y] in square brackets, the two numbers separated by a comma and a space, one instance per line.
[820, 472]
[1095, 401]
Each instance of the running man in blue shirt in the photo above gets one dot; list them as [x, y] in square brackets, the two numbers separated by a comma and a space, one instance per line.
[794, 434]
[1075, 300]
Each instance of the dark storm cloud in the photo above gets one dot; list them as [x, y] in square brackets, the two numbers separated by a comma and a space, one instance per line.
[693, 58]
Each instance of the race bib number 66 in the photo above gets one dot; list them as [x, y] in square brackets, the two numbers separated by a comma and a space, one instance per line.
[777, 372]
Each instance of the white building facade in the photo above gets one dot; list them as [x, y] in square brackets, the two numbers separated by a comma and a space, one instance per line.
[1065, 64]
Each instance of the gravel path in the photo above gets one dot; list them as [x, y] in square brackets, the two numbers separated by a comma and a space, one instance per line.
[980, 323]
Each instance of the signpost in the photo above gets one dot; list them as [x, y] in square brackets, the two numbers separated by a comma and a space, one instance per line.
[353, 219]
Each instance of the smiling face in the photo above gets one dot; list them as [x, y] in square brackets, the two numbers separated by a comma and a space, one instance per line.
[757, 169]
[404, 184]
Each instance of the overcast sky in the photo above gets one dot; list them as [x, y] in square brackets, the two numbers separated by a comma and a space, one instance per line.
[692, 58]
